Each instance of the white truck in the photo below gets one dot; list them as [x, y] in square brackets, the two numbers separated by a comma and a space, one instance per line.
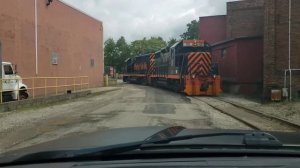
[13, 87]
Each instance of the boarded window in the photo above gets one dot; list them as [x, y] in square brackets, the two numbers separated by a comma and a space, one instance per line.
[55, 57]
[223, 53]
[92, 62]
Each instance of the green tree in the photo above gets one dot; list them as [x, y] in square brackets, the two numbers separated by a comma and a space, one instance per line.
[110, 52]
[122, 53]
[138, 47]
[192, 31]
[115, 53]
[155, 43]
[172, 41]
[145, 46]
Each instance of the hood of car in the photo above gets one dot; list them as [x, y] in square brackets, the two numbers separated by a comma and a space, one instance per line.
[128, 135]
[90, 140]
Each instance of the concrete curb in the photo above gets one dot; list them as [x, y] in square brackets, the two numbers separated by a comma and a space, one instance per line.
[29, 103]
[11, 106]
[103, 91]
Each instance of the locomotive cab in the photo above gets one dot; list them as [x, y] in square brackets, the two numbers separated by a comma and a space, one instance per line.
[200, 74]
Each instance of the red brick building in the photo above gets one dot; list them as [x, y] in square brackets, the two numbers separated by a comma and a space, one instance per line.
[245, 18]
[257, 41]
[70, 43]
[276, 45]
[240, 64]
[213, 28]
[237, 45]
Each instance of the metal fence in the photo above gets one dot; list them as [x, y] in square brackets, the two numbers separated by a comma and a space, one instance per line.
[108, 81]
[46, 86]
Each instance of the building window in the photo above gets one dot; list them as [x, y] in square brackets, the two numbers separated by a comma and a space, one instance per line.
[55, 57]
[92, 62]
[223, 52]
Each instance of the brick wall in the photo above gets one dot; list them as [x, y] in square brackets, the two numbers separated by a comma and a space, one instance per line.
[240, 64]
[245, 18]
[276, 44]
[212, 28]
[74, 37]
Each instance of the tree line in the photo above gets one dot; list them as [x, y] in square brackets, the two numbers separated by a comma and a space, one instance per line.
[116, 52]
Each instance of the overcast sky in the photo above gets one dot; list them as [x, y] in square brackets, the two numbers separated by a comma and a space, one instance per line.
[135, 19]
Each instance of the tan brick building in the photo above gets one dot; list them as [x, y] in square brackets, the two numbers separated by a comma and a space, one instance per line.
[70, 43]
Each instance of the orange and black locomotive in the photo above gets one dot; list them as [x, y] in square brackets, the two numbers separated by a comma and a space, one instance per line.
[184, 67]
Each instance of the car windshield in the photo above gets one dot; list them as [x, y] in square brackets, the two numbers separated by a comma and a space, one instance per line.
[8, 70]
[108, 72]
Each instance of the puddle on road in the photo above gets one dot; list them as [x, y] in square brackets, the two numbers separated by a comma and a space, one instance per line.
[159, 109]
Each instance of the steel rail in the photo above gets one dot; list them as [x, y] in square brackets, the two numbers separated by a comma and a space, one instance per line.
[272, 118]
[268, 119]
[249, 124]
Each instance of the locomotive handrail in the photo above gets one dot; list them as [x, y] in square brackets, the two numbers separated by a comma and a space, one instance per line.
[181, 70]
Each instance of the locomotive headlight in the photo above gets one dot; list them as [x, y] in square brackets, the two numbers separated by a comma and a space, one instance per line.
[193, 76]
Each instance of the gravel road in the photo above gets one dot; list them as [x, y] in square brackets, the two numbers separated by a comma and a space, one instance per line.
[131, 106]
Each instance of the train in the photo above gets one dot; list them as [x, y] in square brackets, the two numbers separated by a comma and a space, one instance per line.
[184, 67]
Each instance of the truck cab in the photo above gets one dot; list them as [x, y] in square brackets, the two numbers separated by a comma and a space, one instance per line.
[13, 87]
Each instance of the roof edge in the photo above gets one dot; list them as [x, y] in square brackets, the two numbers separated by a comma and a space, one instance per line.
[212, 16]
[235, 39]
[79, 10]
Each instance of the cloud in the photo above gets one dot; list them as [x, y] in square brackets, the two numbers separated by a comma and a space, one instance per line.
[135, 19]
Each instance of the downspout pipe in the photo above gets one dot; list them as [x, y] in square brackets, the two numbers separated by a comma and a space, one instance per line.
[36, 36]
[290, 12]
[285, 75]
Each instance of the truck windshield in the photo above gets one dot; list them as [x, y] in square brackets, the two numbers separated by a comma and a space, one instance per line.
[8, 70]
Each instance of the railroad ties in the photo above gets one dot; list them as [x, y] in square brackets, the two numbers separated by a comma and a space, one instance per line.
[253, 119]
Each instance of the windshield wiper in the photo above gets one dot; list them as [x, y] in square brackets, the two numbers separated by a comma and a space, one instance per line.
[249, 139]
[255, 139]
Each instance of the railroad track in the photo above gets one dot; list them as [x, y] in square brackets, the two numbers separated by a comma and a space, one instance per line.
[253, 119]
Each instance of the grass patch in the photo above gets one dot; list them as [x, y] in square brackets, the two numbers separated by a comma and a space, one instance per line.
[296, 99]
